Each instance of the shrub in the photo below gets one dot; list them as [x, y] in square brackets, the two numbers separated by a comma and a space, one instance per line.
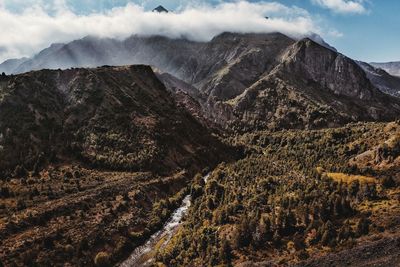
[388, 182]
[102, 259]
[4, 192]
[77, 174]
[69, 249]
[21, 204]
[68, 175]
[362, 227]
[20, 171]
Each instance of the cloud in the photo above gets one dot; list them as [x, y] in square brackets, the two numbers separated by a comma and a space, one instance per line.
[335, 33]
[343, 6]
[27, 31]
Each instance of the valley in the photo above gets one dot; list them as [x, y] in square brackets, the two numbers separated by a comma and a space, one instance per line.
[98, 161]
[247, 150]
[72, 213]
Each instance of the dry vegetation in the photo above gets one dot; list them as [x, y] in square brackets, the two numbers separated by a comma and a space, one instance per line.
[69, 213]
[348, 179]
[278, 206]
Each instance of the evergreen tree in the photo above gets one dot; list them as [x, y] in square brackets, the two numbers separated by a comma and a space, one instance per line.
[225, 252]
[362, 227]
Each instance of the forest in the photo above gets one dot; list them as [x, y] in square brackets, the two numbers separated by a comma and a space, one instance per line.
[294, 196]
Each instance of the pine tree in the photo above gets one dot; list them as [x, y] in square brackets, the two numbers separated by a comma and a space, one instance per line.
[338, 209]
[277, 239]
[362, 227]
[225, 252]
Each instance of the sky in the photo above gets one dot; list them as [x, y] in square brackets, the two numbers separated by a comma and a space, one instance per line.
[367, 30]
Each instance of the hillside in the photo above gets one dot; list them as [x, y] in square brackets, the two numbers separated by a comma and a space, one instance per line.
[297, 199]
[119, 118]
[93, 161]
[9, 66]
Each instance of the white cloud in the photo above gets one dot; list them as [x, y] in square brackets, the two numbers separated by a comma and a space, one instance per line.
[25, 32]
[343, 6]
[335, 33]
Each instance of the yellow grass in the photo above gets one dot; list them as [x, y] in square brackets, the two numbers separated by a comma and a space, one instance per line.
[348, 179]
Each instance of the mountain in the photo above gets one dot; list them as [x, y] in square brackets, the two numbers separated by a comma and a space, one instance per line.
[97, 164]
[296, 93]
[119, 118]
[243, 81]
[318, 39]
[391, 67]
[160, 9]
[87, 52]
[381, 79]
[93, 158]
[10, 66]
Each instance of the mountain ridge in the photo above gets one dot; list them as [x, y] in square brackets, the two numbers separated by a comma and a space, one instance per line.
[217, 74]
[387, 83]
[392, 68]
[119, 118]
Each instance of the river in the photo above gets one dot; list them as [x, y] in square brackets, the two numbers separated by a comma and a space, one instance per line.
[144, 255]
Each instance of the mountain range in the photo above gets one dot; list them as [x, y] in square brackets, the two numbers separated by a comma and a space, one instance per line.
[236, 78]
[247, 150]
[384, 81]
[391, 67]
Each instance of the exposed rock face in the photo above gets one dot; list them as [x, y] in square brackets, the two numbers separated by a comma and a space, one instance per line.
[309, 62]
[113, 117]
[391, 67]
[311, 86]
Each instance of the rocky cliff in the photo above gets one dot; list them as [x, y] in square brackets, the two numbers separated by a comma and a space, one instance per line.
[309, 86]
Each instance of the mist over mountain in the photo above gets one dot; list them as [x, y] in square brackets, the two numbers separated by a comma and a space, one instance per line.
[391, 67]
[10, 66]
[94, 51]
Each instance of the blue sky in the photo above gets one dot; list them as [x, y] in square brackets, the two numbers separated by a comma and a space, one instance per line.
[367, 30]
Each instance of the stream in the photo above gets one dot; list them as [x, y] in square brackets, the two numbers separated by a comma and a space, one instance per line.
[144, 255]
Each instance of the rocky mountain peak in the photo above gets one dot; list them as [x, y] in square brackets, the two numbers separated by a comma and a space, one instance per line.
[160, 9]
[332, 70]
